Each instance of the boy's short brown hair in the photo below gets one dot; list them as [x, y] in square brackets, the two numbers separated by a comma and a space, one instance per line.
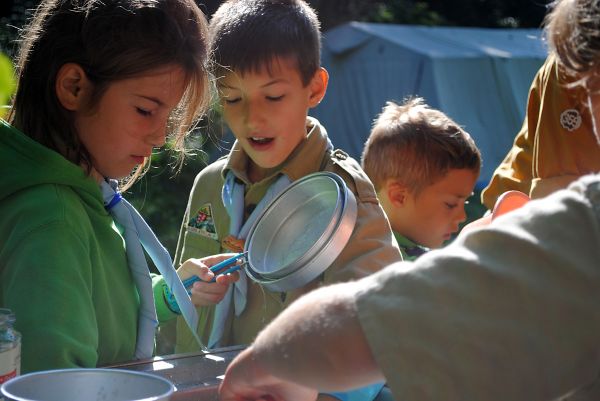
[416, 145]
[247, 35]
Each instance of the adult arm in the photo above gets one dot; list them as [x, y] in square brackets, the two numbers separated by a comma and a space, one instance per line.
[309, 343]
[506, 312]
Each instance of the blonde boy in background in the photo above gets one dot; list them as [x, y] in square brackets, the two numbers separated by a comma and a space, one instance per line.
[424, 167]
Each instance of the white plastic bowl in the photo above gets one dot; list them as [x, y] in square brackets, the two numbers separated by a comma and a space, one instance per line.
[94, 384]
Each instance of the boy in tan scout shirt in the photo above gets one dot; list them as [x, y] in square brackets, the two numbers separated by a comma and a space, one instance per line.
[267, 64]
[424, 167]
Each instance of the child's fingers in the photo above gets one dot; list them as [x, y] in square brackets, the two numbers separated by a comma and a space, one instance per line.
[194, 267]
[214, 259]
[203, 293]
[227, 278]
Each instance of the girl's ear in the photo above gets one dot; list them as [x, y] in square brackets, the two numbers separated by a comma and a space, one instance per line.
[318, 87]
[72, 86]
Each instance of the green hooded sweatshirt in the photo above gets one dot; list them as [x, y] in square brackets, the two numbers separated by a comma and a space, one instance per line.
[63, 267]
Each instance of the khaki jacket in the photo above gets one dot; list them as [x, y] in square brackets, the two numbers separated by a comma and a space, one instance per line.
[370, 248]
[556, 144]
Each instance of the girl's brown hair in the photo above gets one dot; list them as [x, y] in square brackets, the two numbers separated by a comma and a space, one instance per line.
[111, 40]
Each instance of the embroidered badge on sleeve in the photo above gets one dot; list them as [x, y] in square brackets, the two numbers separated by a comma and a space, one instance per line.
[570, 119]
[203, 223]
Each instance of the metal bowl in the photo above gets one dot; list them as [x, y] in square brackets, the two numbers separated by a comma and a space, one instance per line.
[87, 384]
[301, 232]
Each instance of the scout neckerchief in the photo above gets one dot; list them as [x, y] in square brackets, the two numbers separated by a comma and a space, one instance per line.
[233, 200]
[137, 233]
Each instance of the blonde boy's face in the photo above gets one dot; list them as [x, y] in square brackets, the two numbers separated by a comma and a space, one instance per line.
[430, 218]
[266, 111]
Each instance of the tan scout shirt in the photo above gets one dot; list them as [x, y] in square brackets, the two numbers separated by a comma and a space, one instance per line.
[556, 144]
[475, 322]
[370, 248]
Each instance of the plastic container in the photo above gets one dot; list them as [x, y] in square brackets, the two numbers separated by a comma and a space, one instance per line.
[10, 347]
[94, 384]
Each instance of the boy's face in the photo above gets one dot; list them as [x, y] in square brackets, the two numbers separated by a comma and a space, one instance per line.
[266, 111]
[434, 214]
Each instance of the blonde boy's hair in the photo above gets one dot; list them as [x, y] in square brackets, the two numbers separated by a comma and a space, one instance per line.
[416, 145]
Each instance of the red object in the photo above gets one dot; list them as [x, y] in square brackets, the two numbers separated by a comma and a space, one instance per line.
[506, 202]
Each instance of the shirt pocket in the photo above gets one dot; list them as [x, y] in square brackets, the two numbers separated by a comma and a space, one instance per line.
[197, 245]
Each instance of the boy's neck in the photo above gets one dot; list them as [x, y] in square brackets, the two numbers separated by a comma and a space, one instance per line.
[257, 173]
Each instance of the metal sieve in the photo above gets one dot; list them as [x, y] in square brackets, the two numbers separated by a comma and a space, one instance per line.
[301, 232]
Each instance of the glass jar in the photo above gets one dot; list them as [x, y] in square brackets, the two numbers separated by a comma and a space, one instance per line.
[10, 346]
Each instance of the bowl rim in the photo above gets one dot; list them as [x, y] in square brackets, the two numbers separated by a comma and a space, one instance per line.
[4, 389]
[337, 214]
[345, 214]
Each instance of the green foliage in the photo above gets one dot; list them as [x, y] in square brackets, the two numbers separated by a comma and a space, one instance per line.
[11, 21]
[406, 12]
[7, 83]
[474, 208]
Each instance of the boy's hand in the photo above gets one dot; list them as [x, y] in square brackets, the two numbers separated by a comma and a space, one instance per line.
[245, 379]
[204, 292]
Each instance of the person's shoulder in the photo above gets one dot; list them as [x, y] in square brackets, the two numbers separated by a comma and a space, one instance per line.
[51, 197]
[213, 172]
[45, 205]
[349, 169]
[553, 80]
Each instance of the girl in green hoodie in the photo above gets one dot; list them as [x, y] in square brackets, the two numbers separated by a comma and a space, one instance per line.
[101, 83]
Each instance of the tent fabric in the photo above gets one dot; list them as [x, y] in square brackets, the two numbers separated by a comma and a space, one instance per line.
[479, 77]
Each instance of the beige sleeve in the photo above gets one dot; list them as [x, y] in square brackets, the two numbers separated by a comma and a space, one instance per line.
[371, 246]
[510, 312]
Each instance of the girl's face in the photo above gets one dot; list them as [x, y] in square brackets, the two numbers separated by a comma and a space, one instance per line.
[129, 120]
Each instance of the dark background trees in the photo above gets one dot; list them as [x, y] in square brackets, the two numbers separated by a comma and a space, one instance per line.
[480, 13]
[161, 195]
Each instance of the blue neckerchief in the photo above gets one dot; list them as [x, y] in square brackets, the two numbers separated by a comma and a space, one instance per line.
[233, 200]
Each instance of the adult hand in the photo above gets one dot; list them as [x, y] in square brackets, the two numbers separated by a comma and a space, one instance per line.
[246, 380]
[204, 292]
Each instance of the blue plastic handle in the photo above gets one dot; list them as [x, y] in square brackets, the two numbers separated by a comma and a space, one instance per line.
[188, 282]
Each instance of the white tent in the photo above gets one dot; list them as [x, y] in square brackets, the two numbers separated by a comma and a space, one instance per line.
[479, 77]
